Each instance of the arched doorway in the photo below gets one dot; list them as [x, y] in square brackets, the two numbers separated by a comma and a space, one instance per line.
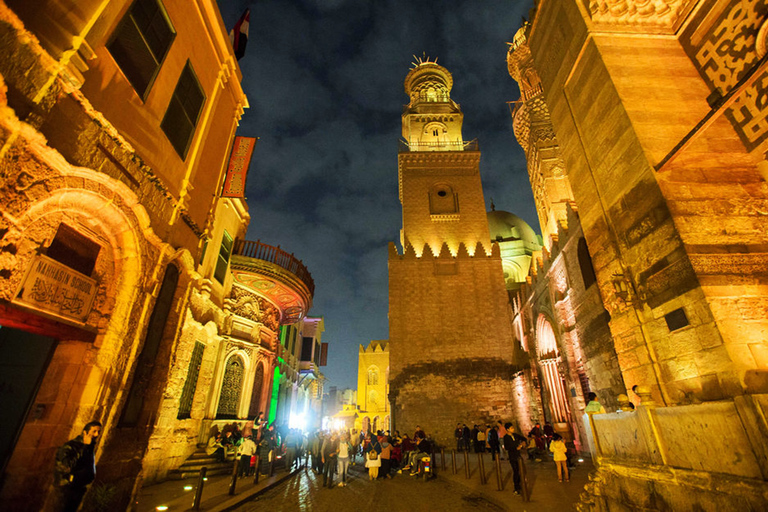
[549, 359]
[258, 384]
[231, 387]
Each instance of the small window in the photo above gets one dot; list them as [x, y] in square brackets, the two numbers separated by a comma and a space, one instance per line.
[306, 349]
[435, 132]
[225, 251]
[183, 111]
[141, 42]
[585, 264]
[73, 250]
[188, 392]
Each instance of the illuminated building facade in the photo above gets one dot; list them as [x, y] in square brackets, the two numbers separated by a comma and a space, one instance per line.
[128, 293]
[449, 314]
[559, 317]
[373, 413]
[662, 138]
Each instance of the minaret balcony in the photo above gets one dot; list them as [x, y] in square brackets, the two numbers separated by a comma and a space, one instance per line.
[408, 147]
[276, 275]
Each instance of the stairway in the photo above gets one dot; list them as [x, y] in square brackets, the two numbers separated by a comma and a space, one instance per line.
[191, 467]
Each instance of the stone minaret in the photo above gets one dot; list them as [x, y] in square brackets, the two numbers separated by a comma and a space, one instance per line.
[535, 133]
[449, 316]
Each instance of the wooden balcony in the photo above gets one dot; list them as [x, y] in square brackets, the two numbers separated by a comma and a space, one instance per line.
[274, 274]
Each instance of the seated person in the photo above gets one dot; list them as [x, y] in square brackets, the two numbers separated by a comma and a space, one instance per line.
[215, 448]
[423, 449]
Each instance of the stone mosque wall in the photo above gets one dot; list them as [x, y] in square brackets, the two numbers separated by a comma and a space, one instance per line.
[450, 352]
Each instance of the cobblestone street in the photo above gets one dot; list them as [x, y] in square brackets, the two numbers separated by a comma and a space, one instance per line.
[447, 492]
[305, 493]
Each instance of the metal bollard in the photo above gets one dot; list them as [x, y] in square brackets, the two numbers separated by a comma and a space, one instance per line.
[256, 467]
[233, 483]
[499, 483]
[524, 479]
[481, 467]
[466, 464]
[453, 461]
[442, 457]
[199, 490]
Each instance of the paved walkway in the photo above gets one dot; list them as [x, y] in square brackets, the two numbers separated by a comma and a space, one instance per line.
[546, 493]
[179, 495]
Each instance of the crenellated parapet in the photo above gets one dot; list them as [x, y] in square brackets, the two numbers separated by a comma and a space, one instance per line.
[444, 253]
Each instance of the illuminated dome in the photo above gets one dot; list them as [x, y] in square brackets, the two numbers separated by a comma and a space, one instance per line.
[428, 81]
[505, 226]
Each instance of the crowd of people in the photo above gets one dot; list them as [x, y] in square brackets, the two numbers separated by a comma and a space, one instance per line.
[256, 442]
[381, 453]
[384, 452]
[535, 446]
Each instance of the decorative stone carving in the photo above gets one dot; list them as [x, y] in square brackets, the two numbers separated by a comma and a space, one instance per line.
[640, 15]
[728, 50]
[248, 305]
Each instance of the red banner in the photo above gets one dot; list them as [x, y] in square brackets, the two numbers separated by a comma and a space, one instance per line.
[239, 161]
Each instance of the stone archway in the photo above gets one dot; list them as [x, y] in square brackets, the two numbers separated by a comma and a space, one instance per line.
[549, 361]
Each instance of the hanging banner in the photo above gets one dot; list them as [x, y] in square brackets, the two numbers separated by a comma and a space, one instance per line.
[239, 161]
[54, 288]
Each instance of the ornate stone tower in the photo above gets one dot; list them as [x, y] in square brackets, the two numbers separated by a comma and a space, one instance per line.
[449, 316]
[535, 133]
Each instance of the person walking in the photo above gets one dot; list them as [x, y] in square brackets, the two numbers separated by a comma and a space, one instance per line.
[557, 446]
[372, 459]
[245, 451]
[513, 443]
[386, 457]
[458, 433]
[330, 452]
[494, 442]
[345, 450]
[75, 468]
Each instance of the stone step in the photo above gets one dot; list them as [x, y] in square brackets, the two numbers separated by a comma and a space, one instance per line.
[184, 473]
[196, 464]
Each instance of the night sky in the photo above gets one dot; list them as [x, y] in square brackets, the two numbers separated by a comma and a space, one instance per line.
[324, 79]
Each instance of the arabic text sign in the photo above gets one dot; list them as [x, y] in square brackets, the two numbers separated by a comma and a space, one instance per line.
[52, 287]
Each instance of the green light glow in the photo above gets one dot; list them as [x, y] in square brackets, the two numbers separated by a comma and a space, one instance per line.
[275, 392]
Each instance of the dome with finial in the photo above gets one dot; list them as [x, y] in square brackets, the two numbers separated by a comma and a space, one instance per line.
[428, 81]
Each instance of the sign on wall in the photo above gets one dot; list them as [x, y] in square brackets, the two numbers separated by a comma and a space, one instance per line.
[54, 288]
[239, 161]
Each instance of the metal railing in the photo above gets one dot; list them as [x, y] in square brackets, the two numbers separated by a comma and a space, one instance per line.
[279, 257]
[406, 147]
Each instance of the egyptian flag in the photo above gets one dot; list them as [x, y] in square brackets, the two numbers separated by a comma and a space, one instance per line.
[239, 34]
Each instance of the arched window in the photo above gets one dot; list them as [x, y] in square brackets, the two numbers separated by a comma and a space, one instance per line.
[442, 199]
[373, 376]
[231, 387]
[585, 263]
[549, 358]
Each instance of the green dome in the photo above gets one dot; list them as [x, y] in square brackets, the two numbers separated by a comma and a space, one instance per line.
[505, 226]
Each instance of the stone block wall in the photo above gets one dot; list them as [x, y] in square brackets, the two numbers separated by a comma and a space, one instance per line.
[451, 353]
[708, 456]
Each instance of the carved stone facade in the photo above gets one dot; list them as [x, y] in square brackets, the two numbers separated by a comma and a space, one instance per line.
[90, 180]
[663, 146]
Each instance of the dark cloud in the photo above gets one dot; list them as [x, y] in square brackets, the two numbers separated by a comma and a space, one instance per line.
[325, 82]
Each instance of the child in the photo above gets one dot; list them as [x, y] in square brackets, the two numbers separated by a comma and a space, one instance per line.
[557, 446]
